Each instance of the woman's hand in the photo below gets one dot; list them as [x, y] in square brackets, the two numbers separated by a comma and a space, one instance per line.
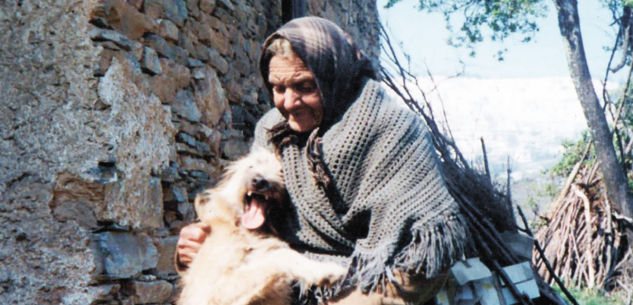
[190, 241]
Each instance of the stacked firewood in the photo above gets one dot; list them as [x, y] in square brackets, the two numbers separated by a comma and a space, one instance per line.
[583, 238]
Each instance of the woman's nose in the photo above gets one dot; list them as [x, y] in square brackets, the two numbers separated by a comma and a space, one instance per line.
[291, 98]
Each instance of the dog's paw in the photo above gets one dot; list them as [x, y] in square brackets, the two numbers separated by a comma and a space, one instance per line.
[328, 274]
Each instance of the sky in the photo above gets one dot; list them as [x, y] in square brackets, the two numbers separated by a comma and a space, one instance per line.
[424, 37]
[524, 106]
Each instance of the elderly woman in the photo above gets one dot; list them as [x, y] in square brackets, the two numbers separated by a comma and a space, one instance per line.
[360, 169]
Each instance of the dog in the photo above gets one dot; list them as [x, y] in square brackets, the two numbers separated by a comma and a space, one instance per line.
[239, 263]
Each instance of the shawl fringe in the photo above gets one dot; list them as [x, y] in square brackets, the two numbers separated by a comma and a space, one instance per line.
[433, 248]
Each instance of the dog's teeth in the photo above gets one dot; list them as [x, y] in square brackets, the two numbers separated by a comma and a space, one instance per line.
[249, 194]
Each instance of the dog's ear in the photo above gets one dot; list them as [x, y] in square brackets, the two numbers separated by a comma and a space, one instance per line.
[201, 204]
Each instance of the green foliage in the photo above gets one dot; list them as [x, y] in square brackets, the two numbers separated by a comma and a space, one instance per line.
[502, 17]
[540, 193]
[572, 153]
[593, 296]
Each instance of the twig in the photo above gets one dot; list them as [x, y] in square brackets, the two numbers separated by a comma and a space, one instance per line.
[609, 249]
[521, 297]
[486, 168]
[525, 222]
[617, 118]
[627, 220]
[439, 96]
[625, 28]
[570, 179]
[606, 76]
[588, 255]
[545, 261]
[628, 148]
[509, 191]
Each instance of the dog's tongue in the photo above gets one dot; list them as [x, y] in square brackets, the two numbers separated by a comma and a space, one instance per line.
[253, 217]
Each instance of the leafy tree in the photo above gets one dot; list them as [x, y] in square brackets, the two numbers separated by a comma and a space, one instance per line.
[505, 17]
[612, 171]
[502, 17]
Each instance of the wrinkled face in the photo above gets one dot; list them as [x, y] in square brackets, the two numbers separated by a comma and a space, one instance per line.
[295, 93]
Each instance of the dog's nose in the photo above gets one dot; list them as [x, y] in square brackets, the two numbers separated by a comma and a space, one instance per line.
[260, 184]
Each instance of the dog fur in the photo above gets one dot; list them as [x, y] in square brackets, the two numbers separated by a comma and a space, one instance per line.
[237, 266]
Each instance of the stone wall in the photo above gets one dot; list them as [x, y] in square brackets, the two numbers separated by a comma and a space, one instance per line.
[113, 114]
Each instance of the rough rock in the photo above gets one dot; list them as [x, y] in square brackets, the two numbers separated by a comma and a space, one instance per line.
[235, 147]
[222, 12]
[203, 32]
[217, 61]
[103, 62]
[168, 30]
[207, 6]
[174, 195]
[194, 10]
[242, 119]
[213, 138]
[152, 292]
[185, 138]
[119, 39]
[179, 73]
[125, 254]
[75, 199]
[166, 248]
[166, 49]
[54, 262]
[189, 163]
[163, 87]
[174, 10]
[141, 134]
[126, 19]
[220, 43]
[150, 62]
[194, 63]
[107, 292]
[226, 4]
[170, 174]
[235, 92]
[210, 96]
[136, 3]
[185, 106]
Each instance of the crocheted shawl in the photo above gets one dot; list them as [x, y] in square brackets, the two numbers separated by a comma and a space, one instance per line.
[387, 205]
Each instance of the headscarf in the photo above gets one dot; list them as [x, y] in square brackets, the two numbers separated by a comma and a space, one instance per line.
[336, 63]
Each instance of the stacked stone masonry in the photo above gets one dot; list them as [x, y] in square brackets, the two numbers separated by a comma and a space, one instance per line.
[113, 115]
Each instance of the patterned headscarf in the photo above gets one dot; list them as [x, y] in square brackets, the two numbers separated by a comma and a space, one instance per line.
[332, 57]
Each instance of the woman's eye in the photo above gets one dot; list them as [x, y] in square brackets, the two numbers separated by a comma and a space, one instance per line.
[307, 87]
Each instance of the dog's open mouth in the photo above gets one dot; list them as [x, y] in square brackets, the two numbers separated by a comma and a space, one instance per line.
[255, 210]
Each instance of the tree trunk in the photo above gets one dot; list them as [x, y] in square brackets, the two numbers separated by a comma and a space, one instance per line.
[615, 180]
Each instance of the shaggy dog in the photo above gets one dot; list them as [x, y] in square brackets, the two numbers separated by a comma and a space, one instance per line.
[238, 263]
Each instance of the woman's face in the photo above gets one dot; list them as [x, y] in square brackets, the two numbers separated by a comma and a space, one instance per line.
[295, 93]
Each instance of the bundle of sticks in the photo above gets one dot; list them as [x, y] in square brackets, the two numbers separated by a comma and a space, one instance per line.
[583, 239]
